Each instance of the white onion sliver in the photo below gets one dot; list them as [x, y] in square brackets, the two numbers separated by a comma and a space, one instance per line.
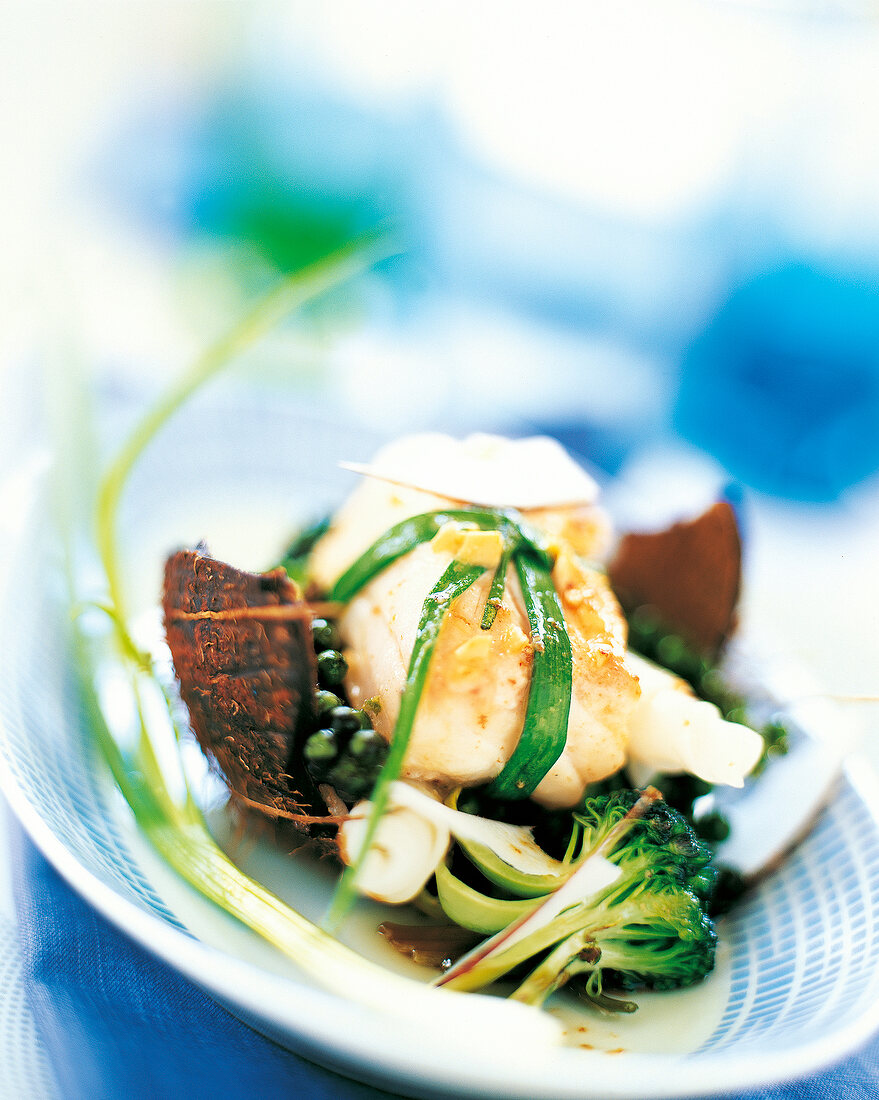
[514, 844]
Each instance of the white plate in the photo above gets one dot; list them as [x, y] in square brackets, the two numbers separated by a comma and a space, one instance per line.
[798, 980]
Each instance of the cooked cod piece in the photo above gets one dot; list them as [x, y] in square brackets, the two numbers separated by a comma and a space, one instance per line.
[424, 473]
[472, 710]
[473, 707]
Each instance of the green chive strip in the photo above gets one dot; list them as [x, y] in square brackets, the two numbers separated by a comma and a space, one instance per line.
[175, 826]
[406, 535]
[549, 699]
[496, 591]
[295, 290]
[454, 582]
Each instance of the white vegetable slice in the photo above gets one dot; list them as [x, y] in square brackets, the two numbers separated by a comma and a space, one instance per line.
[404, 853]
[413, 836]
[514, 844]
[595, 874]
[672, 731]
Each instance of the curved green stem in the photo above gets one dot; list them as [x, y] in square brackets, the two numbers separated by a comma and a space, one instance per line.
[295, 291]
[409, 533]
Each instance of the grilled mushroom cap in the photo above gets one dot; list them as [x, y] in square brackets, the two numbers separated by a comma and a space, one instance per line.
[243, 654]
[689, 573]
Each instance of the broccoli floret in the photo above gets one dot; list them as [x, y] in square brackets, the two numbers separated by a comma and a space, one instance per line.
[658, 842]
[658, 937]
[649, 928]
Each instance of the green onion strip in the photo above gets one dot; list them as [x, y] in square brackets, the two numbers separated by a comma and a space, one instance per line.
[409, 533]
[179, 834]
[175, 827]
[549, 699]
[496, 590]
[454, 582]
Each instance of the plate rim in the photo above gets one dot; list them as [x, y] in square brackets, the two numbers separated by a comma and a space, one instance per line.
[254, 994]
[236, 984]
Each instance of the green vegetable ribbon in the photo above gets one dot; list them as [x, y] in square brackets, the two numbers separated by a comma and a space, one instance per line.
[549, 699]
[409, 533]
[453, 583]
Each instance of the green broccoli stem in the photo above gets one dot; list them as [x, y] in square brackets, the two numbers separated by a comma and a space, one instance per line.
[572, 956]
[658, 937]
[585, 918]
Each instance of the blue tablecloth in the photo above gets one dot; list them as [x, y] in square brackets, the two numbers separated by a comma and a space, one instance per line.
[117, 1023]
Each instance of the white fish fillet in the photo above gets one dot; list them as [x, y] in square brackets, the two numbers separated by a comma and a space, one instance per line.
[471, 713]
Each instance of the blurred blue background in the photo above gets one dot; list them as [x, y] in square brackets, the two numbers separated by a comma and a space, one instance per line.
[623, 224]
[650, 229]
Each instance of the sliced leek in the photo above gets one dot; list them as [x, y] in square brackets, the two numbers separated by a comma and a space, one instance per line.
[474, 910]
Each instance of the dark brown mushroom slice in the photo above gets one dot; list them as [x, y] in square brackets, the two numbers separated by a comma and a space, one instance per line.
[690, 574]
[436, 945]
[242, 649]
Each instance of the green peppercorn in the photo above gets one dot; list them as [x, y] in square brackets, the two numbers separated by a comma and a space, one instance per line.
[372, 706]
[671, 652]
[368, 747]
[320, 752]
[324, 634]
[645, 622]
[711, 684]
[351, 780]
[331, 667]
[728, 889]
[344, 720]
[776, 736]
[324, 702]
[712, 827]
